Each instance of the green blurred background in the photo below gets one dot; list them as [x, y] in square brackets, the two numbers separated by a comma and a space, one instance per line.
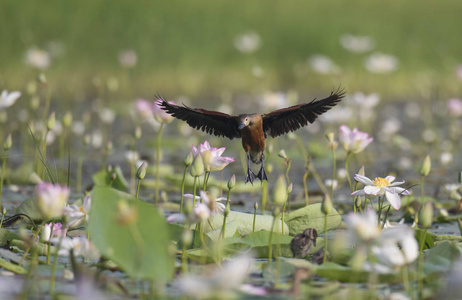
[188, 47]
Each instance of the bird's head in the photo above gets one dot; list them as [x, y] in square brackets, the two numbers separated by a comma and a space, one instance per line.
[248, 120]
[312, 234]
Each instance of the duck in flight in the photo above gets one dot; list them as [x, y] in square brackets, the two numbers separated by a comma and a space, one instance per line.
[253, 128]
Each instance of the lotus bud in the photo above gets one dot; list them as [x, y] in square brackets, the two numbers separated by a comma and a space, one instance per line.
[41, 78]
[280, 191]
[86, 139]
[291, 135]
[109, 147]
[137, 132]
[426, 166]
[255, 206]
[34, 103]
[86, 117]
[112, 84]
[141, 172]
[197, 167]
[109, 168]
[330, 137]
[31, 87]
[34, 178]
[455, 195]
[188, 159]
[51, 121]
[282, 154]
[269, 148]
[232, 182]
[8, 143]
[163, 196]
[289, 188]
[276, 212]
[326, 206]
[67, 119]
[46, 232]
[187, 237]
[361, 171]
[426, 215]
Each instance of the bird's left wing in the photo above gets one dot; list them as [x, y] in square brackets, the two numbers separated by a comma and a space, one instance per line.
[288, 119]
[212, 122]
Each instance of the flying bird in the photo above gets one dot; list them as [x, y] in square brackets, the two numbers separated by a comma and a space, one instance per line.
[253, 128]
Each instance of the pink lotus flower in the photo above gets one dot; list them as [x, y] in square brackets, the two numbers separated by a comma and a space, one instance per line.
[455, 107]
[143, 109]
[353, 141]
[211, 156]
[58, 231]
[51, 199]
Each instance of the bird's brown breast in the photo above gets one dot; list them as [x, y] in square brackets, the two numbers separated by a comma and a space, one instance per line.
[253, 141]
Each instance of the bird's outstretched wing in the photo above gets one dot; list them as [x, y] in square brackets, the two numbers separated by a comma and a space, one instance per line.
[288, 119]
[212, 122]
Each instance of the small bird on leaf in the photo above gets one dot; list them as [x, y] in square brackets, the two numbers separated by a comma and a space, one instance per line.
[253, 128]
[301, 243]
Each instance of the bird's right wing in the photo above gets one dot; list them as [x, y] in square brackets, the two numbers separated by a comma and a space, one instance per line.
[211, 122]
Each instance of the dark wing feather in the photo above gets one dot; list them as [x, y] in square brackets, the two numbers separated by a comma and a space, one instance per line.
[212, 122]
[288, 119]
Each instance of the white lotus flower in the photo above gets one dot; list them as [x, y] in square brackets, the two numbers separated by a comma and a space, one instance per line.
[323, 64]
[38, 58]
[80, 244]
[248, 42]
[78, 214]
[128, 58]
[380, 186]
[356, 43]
[381, 63]
[8, 99]
[221, 284]
[396, 247]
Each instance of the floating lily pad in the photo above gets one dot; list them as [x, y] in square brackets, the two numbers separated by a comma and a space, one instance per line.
[140, 247]
[245, 223]
[311, 217]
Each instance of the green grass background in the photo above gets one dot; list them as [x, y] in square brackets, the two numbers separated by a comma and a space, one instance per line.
[186, 47]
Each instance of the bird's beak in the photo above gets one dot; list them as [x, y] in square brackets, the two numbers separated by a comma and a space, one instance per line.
[241, 126]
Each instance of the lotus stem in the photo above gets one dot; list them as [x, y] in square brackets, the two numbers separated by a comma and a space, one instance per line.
[325, 239]
[347, 159]
[182, 189]
[305, 185]
[3, 178]
[159, 140]
[420, 265]
[270, 250]
[334, 167]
